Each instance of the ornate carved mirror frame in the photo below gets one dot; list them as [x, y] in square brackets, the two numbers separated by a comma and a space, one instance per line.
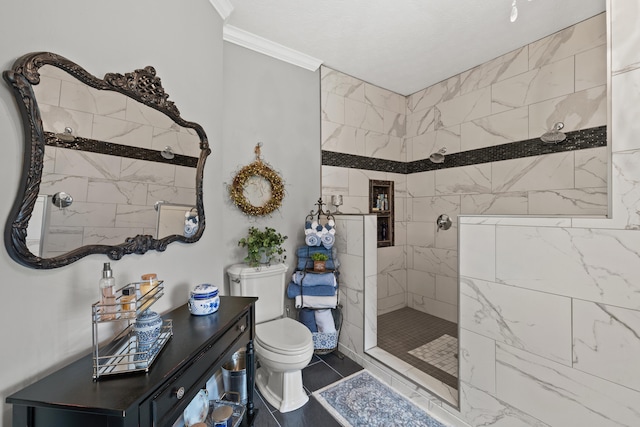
[141, 85]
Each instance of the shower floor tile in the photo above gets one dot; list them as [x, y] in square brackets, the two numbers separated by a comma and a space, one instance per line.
[406, 329]
[441, 353]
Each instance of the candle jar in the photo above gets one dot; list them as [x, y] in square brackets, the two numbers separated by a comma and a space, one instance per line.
[149, 282]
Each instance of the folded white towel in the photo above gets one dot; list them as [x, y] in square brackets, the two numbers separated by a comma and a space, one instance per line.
[324, 320]
[316, 302]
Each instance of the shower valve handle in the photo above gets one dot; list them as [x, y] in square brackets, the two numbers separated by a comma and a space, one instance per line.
[443, 222]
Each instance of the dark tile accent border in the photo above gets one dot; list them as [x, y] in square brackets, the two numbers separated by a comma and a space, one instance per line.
[576, 140]
[109, 148]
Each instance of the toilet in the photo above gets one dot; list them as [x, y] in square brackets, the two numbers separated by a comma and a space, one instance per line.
[283, 346]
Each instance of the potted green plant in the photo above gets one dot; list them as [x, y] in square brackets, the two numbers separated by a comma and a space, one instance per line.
[319, 261]
[263, 246]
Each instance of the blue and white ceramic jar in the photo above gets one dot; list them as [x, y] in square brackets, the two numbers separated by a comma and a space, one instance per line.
[147, 328]
[204, 299]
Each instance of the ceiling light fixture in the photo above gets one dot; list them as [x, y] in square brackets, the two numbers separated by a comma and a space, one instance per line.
[514, 11]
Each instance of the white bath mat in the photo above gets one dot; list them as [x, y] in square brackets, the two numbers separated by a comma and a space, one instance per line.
[440, 353]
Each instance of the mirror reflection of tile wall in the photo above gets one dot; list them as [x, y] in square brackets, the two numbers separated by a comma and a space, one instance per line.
[114, 197]
[512, 98]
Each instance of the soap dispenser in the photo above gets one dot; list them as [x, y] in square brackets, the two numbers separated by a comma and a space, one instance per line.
[108, 293]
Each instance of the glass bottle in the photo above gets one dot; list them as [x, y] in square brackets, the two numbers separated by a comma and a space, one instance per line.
[128, 302]
[108, 293]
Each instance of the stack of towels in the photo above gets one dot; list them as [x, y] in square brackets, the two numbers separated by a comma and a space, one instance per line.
[317, 320]
[304, 257]
[190, 222]
[316, 234]
[313, 290]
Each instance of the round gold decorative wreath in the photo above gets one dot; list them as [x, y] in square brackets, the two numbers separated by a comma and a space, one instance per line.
[257, 168]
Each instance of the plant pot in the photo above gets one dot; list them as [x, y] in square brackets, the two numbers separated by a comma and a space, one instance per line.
[264, 259]
[319, 265]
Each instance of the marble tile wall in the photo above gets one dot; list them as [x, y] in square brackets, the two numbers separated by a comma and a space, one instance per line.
[113, 196]
[362, 119]
[356, 247]
[557, 338]
[565, 79]
[562, 351]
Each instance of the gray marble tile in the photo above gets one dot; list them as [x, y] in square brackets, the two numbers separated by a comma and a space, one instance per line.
[549, 81]
[559, 395]
[463, 108]
[573, 262]
[552, 171]
[579, 201]
[606, 340]
[578, 38]
[511, 315]
[496, 129]
[503, 67]
[591, 68]
[481, 408]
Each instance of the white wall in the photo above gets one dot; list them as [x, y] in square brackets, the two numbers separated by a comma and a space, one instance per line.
[46, 314]
[278, 104]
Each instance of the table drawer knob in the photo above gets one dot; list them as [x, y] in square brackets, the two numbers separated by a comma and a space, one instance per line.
[180, 393]
[241, 328]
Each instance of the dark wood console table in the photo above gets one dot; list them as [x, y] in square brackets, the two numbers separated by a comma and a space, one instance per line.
[199, 347]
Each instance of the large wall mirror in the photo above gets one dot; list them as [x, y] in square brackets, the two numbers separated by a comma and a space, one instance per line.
[110, 166]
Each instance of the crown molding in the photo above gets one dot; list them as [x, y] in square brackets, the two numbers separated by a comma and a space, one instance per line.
[251, 41]
[223, 7]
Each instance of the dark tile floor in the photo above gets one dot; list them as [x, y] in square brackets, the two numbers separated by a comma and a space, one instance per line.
[321, 371]
[406, 329]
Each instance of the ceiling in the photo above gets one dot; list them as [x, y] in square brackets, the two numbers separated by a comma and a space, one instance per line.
[405, 45]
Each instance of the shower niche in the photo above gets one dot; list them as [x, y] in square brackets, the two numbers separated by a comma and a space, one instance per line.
[381, 202]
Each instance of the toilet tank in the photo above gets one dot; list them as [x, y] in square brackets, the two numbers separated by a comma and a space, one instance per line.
[265, 282]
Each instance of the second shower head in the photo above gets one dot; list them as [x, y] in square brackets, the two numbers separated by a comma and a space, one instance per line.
[438, 157]
[555, 135]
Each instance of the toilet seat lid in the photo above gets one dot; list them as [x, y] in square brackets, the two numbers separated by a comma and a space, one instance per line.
[285, 335]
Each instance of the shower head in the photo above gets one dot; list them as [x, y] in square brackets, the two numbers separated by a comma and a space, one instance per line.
[67, 136]
[554, 136]
[168, 153]
[438, 157]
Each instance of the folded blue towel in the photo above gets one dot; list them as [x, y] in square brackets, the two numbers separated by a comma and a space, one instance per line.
[313, 279]
[306, 251]
[294, 290]
[312, 240]
[305, 263]
[304, 257]
[307, 317]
